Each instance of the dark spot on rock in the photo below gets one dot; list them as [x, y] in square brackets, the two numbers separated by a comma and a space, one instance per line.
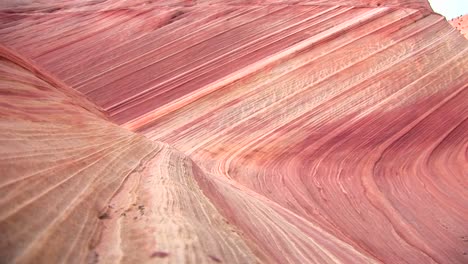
[52, 10]
[177, 15]
[104, 215]
[93, 257]
[135, 218]
[174, 17]
[215, 259]
[159, 254]
[123, 214]
[141, 208]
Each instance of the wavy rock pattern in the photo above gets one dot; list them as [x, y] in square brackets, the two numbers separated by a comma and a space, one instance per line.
[78, 189]
[368, 144]
[306, 132]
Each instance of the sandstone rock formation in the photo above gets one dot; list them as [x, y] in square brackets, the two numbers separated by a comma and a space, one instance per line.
[272, 131]
[76, 188]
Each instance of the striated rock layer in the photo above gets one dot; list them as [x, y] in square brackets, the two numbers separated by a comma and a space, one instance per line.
[306, 132]
[78, 189]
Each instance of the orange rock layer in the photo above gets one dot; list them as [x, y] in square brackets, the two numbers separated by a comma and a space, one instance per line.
[266, 132]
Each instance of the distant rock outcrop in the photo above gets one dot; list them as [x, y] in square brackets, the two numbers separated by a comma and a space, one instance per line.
[461, 23]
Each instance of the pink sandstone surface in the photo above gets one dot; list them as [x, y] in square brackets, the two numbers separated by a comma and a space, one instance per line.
[270, 131]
